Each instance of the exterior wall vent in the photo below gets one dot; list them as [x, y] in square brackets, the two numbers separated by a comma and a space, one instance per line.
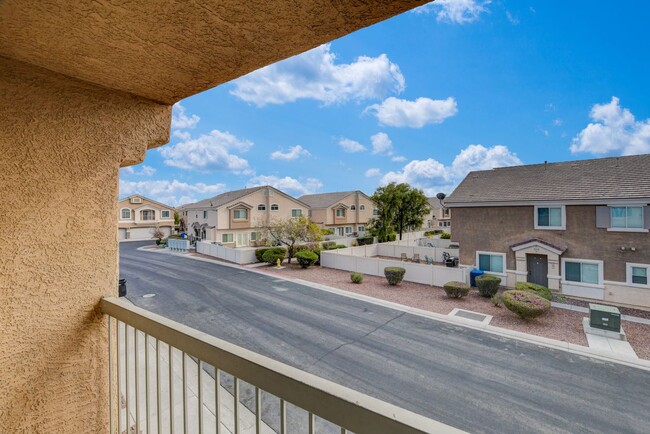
[136, 200]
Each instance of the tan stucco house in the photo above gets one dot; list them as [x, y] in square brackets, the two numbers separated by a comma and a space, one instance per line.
[139, 216]
[439, 217]
[345, 212]
[580, 227]
[235, 218]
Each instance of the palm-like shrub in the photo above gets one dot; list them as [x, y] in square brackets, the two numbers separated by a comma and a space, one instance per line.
[536, 289]
[306, 258]
[456, 289]
[525, 304]
[488, 285]
[394, 275]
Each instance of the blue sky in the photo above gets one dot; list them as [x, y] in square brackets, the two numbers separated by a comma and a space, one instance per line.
[422, 98]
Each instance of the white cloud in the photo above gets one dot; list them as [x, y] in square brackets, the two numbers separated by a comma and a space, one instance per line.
[208, 152]
[433, 176]
[293, 153]
[614, 130]
[381, 144]
[144, 170]
[315, 75]
[398, 158]
[371, 173]
[170, 192]
[183, 135]
[456, 11]
[351, 146]
[513, 20]
[557, 122]
[395, 112]
[182, 121]
[287, 184]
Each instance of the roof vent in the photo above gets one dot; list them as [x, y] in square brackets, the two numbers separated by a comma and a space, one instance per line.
[136, 200]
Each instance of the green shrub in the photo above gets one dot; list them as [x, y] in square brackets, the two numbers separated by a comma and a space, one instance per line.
[260, 252]
[394, 275]
[433, 232]
[327, 231]
[354, 243]
[488, 285]
[317, 251]
[306, 258]
[496, 300]
[328, 245]
[536, 289]
[525, 304]
[445, 236]
[364, 241]
[456, 289]
[272, 255]
[340, 246]
[391, 237]
[356, 277]
[300, 248]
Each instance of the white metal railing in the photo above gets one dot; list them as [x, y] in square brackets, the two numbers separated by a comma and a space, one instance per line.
[178, 245]
[166, 377]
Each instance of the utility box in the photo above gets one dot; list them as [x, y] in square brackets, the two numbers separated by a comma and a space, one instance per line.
[604, 317]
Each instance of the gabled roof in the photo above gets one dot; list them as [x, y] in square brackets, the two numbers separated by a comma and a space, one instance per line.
[434, 203]
[162, 205]
[325, 200]
[585, 180]
[223, 198]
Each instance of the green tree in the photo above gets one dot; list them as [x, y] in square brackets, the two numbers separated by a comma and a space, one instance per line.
[176, 218]
[291, 231]
[399, 207]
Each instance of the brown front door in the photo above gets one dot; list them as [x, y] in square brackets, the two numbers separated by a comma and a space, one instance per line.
[538, 269]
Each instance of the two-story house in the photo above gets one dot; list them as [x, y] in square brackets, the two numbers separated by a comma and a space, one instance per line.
[345, 212]
[439, 217]
[235, 218]
[578, 227]
[139, 216]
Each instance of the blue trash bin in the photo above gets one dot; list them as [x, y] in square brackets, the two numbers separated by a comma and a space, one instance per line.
[473, 275]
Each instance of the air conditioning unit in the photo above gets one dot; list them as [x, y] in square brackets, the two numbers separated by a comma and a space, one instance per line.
[604, 317]
[136, 200]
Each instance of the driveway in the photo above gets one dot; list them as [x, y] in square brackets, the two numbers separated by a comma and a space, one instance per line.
[466, 378]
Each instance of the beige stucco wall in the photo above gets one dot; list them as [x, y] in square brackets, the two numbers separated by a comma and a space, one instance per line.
[62, 142]
[328, 216]
[135, 208]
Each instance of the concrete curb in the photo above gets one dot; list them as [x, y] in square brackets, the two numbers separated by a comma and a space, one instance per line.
[499, 331]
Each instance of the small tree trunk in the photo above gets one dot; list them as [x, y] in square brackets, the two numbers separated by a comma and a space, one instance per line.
[289, 253]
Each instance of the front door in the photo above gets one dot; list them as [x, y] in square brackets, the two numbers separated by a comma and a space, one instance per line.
[538, 269]
[242, 239]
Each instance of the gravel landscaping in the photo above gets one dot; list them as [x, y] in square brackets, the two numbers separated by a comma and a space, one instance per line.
[560, 324]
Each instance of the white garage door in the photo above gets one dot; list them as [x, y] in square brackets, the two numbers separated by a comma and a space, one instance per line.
[121, 234]
[166, 230]
[140, 233]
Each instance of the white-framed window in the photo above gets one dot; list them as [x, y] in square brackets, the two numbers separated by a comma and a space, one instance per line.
[147, 214]
[205, 214]
[353, 208]
[261, 207]
[164, 214]
[361, 228]
[256, 236]
[626, 217]
[362, 207]
[375, 212]
[227, 238]
[295, 213]
[126, 214]
[340, 212]
[240, 214]
[491, 262]
[275, 207]
[348, 229]
[550, 217]
[584, 272]
[637, 274]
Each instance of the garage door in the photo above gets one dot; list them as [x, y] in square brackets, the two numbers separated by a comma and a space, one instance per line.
[166, 230]
[121, 234]
[140, 233]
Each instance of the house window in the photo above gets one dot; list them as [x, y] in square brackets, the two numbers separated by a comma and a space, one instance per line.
[240, 214]
[362, 207]
[261, 207]
[353, 208]
[637, 274]
[256, 236]
[164, 214]
[205, 214]
[147, 214]
[275, 207]
[340, 212]
[126, 214]
[627, 217]
[348, 229]
[588, 272]
[295, 213]
[491, 262]
[227, 238]
[550, 217]
[361, 228]
[375, 212]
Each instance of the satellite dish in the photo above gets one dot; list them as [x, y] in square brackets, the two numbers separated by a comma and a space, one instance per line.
[441, 196]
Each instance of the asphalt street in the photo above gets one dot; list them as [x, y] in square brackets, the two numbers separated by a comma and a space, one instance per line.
[466, 378]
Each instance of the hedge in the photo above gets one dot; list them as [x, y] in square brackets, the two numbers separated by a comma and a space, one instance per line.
[306, 258]
[394, 275]
[456, 289]
[328, 245]
[488, 285]
[525, 304]
[272, 255]
[363, 241]
[445, 236]
[533, 288]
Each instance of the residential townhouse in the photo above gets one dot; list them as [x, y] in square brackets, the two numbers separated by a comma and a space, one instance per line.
[578, 227]
[139, 216]
[345, 212]
[235, 218]
[439, 216]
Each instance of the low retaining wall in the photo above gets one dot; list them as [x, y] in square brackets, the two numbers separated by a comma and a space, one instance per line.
[238, 256]
[361, 260]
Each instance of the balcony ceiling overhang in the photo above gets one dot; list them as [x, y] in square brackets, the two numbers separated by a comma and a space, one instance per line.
[166, 50]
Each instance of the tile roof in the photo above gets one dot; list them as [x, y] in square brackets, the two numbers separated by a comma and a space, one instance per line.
[223, 198]
[434, 203]
[324, 200]
[602, 178]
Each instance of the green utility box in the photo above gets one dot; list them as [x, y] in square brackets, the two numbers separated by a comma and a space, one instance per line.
[604, 317]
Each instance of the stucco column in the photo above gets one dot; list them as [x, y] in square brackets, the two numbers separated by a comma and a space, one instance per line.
[62, 142]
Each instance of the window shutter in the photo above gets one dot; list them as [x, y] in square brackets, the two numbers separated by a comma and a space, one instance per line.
[603, 217]
[646, 217]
